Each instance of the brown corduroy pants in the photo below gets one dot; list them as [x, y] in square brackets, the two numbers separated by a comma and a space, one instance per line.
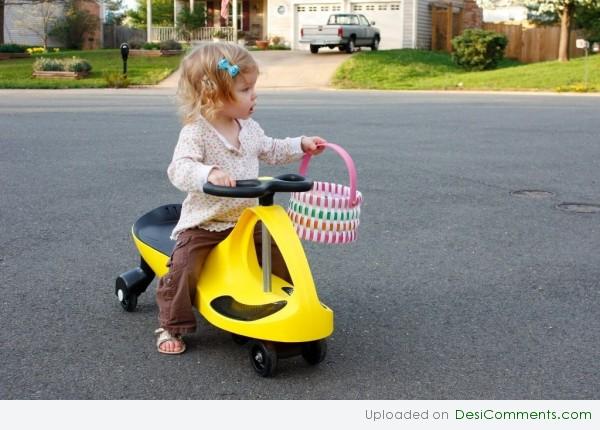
[176, 290]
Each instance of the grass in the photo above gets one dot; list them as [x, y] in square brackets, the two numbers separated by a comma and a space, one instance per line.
[16, 73]
[408, 69]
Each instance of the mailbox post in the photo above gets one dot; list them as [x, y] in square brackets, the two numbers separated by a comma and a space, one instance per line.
[124, 55]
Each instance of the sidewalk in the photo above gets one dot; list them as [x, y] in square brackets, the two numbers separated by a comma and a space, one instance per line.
[288, 69]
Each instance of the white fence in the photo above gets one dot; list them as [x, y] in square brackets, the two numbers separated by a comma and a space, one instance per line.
[160, 34]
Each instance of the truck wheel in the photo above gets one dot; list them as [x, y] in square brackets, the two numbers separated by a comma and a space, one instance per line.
[375, 44]
[314, 49]
[350, 46]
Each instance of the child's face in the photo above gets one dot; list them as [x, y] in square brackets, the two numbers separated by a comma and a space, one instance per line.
[245, 97]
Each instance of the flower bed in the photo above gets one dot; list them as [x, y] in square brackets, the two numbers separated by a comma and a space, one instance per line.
[65, 68]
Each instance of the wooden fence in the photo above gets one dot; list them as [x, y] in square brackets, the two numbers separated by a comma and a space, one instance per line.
[446, 23]
[114, 35]
[535, 44]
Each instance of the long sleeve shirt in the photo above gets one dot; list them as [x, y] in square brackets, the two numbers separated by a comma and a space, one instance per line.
[201, 148]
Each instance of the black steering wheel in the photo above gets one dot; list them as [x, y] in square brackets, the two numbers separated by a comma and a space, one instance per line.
[263, 188]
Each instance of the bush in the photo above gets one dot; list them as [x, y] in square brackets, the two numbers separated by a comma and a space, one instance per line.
[150, 45]
[74, 64]
[77, 65]
[13, 48]
[44, 64]
[136, 43]
[116, 80]
[170, 45]
[478, 49]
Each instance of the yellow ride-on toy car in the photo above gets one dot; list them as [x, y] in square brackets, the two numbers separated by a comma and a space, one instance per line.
[275, 318]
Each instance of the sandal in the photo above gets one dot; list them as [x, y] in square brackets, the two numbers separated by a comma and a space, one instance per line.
[166, 336]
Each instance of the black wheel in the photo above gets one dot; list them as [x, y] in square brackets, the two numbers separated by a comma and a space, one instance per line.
[375, 44]
[314, 352]
[314, 49]
[238, 339]
[350, 47]
[263, 357]
[128, 300]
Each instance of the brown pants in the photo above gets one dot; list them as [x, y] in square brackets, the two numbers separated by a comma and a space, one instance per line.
[176, 290]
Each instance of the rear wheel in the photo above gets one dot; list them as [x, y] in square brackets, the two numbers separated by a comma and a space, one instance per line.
[314, 352]
[314, 49]
[350, 47]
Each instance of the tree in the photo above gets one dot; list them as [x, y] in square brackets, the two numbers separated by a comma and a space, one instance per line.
[114, 11]
[162, 13]
[74, 25]
[563, 11]
[187, 20]
[46, 14]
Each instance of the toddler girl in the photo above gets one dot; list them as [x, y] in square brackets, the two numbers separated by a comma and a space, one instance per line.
[219, 143]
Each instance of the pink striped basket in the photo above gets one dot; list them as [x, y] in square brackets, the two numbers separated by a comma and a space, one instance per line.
[329, 213]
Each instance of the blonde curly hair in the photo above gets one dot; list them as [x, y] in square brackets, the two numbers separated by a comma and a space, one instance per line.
[203, 88]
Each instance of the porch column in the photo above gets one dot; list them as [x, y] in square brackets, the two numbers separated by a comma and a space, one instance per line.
[148, 21]
[235, 15]
[191, 5]
[175, 13]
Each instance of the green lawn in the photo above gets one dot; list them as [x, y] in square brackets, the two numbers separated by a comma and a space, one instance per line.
[16, 73]
[408, 69]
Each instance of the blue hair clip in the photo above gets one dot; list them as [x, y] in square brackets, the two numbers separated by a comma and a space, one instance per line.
[232, 69]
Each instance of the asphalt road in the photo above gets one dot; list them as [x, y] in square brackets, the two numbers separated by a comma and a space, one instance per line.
[456, 289]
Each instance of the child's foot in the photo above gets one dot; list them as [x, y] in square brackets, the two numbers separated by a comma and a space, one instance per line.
[168, 343]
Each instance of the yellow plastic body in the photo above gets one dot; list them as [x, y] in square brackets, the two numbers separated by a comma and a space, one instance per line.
[232, 269]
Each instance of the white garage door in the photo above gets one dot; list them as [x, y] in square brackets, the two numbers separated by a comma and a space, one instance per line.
[312, 14]
[388, 18]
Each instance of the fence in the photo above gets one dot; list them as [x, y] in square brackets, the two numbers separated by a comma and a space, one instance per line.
[205, 33]
[446, 23]
[535, 44]
[114, 35]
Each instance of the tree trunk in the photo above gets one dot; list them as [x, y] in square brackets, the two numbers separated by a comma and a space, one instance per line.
[565, 31]
[1, 22]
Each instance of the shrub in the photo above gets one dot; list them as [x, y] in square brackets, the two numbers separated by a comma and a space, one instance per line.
[77, 65]
[136, 43]
[221, 34]
[44, 64]
[170, 45]
[477, 49]
[150, 45]
[116, 80]
[12, 48]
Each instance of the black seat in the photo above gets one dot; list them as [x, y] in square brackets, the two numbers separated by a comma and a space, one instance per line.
[155, 227]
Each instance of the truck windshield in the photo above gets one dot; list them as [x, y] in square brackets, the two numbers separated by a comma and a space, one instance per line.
[343, 20]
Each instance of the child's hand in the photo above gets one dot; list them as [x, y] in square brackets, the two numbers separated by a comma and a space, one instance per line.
[219, 177]
[310, 145]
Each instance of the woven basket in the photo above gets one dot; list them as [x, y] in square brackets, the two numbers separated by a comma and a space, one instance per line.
[328, 213]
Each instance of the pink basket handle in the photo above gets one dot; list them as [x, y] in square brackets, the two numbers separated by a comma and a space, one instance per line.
[349, 165]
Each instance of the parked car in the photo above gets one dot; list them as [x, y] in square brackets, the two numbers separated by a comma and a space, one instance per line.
[347, 31]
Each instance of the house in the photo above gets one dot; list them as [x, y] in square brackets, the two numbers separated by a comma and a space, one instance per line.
[403, 23]
[504, 11]
[28, 24]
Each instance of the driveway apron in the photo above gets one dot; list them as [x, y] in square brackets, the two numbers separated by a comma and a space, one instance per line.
[288, 69]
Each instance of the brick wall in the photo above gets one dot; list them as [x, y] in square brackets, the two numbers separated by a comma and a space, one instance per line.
[472, 15]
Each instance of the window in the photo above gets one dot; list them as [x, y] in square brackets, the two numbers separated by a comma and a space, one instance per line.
[356, 7]
[324, 8]
[363, 20]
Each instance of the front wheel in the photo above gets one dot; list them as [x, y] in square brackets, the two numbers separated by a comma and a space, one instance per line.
[263, 357]
[127, 299]
[314, 49]
[375, 44]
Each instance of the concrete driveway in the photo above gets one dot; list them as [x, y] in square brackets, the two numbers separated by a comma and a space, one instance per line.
[289, 69]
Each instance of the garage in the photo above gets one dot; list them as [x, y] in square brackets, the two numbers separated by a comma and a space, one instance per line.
[312, 14]
[388, 18]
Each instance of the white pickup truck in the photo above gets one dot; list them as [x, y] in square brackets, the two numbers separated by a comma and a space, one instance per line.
[347, 31]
